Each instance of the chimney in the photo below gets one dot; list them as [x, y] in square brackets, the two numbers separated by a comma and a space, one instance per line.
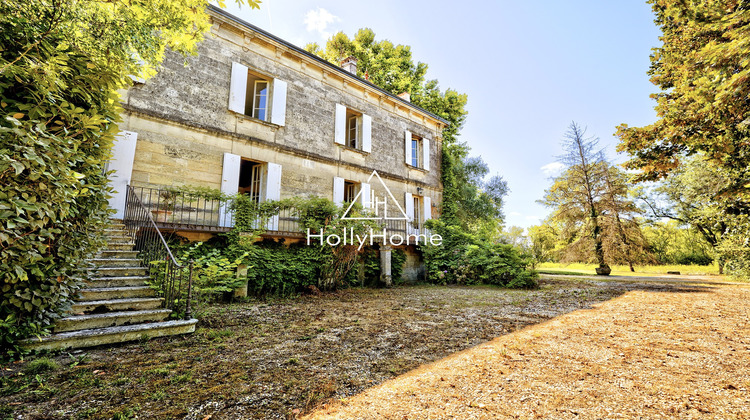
[405, 96]
[350, 64]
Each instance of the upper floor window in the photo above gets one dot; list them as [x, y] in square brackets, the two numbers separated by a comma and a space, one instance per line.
[353, 129]
[417, 151]
[416, 145]
[257, 96]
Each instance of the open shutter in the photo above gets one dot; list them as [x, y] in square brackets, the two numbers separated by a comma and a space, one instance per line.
[366, 133]
[426, 154]
[407, 146]
[273, 191]
[278, 104]
[230, 184]
[364, 190]
[123, 154]
[427, 208]
[338, 190]
[340, 127]
[409, 209]
[238, 88]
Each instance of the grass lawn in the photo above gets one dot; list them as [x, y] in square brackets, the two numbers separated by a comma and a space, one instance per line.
[624, 270]
[283, 358]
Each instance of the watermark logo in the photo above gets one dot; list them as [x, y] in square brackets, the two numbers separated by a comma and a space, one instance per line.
[396, 226]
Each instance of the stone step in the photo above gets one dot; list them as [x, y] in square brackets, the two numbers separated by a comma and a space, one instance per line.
[118, 271]
[110, 293]
[109, 335]
[119, 247]
[117, 253]
[109, 319]
[115, 305]
[115, 262]
[107, 282]
[119, 239]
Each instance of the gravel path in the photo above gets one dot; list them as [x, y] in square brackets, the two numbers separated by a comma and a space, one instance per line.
[677, 350]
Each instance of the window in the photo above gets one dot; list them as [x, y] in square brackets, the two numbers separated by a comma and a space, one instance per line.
[250, 179]
[353, 123]
[417, 220]
[417, 151]
[345, 191]
[350, 191]
[353, 129]
[416, 144]
[259, 180]
[257, 96]
[418, 209]
[256, 104]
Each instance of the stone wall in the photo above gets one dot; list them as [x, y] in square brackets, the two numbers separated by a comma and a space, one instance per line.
[184, 126]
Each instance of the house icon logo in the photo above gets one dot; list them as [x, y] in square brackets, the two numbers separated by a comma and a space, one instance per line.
[378, 205]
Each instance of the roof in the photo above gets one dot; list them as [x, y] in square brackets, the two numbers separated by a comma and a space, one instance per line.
[321, 61]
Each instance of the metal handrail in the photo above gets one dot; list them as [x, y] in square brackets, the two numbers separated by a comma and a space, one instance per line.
[152, 247]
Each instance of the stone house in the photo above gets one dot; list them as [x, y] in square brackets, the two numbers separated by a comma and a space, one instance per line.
[252, 113]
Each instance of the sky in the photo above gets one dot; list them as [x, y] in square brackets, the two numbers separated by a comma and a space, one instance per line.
[529, 68]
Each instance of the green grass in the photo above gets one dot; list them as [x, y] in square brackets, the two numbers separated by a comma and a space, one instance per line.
[578, 269]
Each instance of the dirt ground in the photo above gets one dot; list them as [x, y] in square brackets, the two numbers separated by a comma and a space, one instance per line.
[282, 359]
[681, 351]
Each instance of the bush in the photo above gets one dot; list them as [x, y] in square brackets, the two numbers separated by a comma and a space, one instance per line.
[468, 259]
[56, 129]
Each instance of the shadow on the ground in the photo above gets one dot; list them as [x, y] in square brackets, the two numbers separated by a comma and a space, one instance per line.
[276, 359]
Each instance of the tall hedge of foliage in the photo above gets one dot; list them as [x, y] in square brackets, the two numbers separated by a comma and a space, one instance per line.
[55, 134]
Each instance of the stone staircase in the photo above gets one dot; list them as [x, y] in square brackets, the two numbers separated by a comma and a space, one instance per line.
[116, 305]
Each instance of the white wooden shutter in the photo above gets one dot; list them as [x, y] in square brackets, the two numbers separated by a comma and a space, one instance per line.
[238, 88]
[340, 127]
[273, 191]
[426, 154]
[364, 190]
[366, 133]
[407, 146]
[230, 184]
[273, 182]
[338, 190]
[427, 208]
[409, 209]
[278, 104]
[123, 154]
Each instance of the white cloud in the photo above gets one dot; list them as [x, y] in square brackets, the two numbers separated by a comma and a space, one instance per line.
[552, 169]
[515, 213]
[318, 21]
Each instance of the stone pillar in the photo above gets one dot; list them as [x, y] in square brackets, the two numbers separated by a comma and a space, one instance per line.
[385, 265]
[241, 292]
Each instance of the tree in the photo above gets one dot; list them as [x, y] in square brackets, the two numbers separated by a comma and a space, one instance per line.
[624, 240]
[388, 66]
[577, 193]
[703, 109]
[703, 74]
[61, 64]
[691, 196]
[597, 220]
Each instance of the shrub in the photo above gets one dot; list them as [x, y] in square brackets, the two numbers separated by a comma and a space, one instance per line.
[56, 128]
[464, 258]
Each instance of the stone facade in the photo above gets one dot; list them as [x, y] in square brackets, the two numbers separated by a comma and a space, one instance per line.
[185, 128]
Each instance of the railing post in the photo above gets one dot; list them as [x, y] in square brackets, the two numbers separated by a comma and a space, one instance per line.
[188, 312]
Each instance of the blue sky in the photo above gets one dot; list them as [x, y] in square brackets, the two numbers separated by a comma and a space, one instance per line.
[529, 68]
